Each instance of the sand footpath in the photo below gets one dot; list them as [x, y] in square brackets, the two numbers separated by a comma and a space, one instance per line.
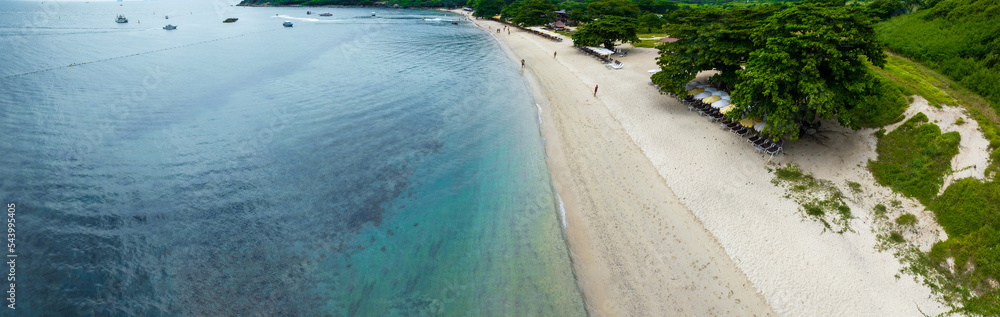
[670, 215]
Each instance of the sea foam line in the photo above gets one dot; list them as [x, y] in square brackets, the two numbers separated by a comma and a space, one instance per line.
[562, 211]
[539, 113]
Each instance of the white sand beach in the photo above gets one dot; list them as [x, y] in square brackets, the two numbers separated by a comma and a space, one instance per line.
[670, 215]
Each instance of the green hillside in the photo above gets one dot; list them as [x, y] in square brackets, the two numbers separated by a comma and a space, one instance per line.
[959, 38]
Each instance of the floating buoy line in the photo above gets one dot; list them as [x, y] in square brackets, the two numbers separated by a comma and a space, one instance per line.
[136, 54]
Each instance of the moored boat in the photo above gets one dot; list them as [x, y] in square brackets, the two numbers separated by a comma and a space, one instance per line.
[230, 20]
[287, 23]
[121, 19]
[327, 14]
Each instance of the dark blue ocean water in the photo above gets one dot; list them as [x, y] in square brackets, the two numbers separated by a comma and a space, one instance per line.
[347, 166]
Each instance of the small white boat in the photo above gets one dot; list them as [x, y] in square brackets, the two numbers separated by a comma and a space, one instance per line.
[169, 27]
[121, 19]
[287, 24]
[373, 13]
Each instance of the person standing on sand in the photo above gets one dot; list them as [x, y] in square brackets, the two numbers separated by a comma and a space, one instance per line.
[554, 54]
[595, 90]
[522, 66]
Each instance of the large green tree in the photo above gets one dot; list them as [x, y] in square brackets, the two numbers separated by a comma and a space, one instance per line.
[709, 39]
[487, 8]
[810, 65]
[606, 31]
[620, 8]
[529, 12]
[656, 6]
[650, 21]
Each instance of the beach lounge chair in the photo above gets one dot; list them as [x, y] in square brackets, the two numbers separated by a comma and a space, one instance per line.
[716, 116]
[742, 131]
[774, 149]
[762, 144]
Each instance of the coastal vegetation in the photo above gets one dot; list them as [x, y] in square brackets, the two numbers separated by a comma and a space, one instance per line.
[529, 12]
[819, 198]
[914, 158]
[606, 31]
[955, 37]
[958, 39]
[794, 64]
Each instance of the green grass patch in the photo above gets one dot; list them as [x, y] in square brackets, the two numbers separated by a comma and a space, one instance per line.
[646, 43]
[968, 205]
[884, 107]
[906, 219]
[651, 35]
[914, 81]
[880, 211]
[819, 198]
[896, 237]
[854, 186]
[914, 158]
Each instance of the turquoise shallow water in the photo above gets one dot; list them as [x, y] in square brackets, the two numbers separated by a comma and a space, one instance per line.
[347, 166]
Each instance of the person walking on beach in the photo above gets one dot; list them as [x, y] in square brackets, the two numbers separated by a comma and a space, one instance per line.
[554, 54]
[522, 66]
[595, 90]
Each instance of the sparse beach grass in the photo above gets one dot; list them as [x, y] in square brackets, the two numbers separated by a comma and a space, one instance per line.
[820, 198]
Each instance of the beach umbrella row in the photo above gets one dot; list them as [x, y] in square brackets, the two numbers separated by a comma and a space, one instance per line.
[720, 100]
[711, 99]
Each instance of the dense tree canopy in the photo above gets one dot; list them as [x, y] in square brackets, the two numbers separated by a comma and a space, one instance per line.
[619, 8]
[650, 21]
[956, 37]
[487, 8]
[606, 31]
[810, 65]
[802, 62]
[529, 12]
[656, 6]
[709, 39]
